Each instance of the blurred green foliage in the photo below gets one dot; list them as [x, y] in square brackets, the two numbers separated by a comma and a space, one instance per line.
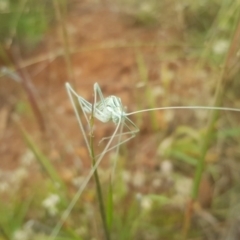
[207, 24]
[25, 20]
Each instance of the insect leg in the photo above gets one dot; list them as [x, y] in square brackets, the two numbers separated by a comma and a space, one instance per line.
[126, 122]
[85, 106]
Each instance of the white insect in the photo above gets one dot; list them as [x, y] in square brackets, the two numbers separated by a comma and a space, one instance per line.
[109, 109]
[105, 110]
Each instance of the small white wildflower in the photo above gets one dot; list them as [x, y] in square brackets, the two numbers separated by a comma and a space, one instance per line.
[4, 186]
[183, 186]
[220, 47]
[169, 116]
[158, 91]
[27, 158]
[4, 5]
[20, 174]
[146, 7]
[166, 168]
[146, 203]
[164, 146]
[138, 179]
[50, 204]
[126, 176]
[11, 180]
[140, 84]
[20, 235]
[25, 233]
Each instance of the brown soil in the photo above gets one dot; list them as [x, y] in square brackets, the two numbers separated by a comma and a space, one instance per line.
[105, 46]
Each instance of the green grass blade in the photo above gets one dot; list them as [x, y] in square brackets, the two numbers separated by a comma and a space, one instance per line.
[184, 157]
[109, 207]
[143, 72]
[42, 159]
[20, 213]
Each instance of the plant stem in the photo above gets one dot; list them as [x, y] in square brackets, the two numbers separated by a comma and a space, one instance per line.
[98, 185]
[143, 72]
[65, 39]
[27, 86]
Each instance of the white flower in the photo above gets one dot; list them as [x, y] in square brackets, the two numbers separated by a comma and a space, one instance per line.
[21, 235]
[4, 186]
[24, 233]
[126, 176]
[144, 201]
[50, 204]
[20, 174]
[166, 168]
[183, 186]
[146, 7]
[4, 5]
[27, 158]
[220, 47]
[138, 179]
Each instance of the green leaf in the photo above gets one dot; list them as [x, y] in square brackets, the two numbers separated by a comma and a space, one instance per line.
[109, 208]
[184, 157]
[42, 159]
[231, 132]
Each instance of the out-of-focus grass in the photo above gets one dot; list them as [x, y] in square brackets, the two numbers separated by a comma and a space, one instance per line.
[12, 216]
[43, 160]
[209, 30]
[144, 78]
[25, 21]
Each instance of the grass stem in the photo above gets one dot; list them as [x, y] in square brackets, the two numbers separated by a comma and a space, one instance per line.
[97, 181]
[65, 39]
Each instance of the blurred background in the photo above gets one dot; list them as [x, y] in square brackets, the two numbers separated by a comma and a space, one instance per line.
[179, 177]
